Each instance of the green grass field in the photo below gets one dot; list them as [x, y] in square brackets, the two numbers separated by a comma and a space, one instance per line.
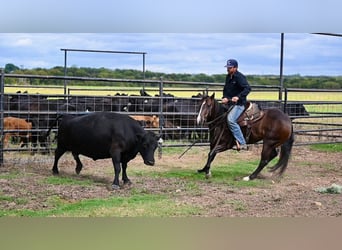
[180, 179]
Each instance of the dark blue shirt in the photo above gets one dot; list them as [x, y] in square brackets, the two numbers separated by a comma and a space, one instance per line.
[236, 85]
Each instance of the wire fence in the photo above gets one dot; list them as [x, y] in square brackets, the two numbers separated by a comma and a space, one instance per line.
[167, 107]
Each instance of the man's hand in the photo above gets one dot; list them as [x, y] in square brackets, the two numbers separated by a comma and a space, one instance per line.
[235, 99]
[225, 100]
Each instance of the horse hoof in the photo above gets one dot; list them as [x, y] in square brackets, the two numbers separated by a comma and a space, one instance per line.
[208, 175]
[115, 187]
[246, 178]
[128, 183]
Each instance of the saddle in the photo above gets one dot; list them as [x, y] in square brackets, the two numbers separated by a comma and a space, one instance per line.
[251, 114]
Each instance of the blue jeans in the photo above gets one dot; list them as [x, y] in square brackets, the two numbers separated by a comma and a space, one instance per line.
[234, 127]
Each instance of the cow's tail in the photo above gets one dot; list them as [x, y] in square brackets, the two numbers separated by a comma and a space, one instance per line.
[53, 124]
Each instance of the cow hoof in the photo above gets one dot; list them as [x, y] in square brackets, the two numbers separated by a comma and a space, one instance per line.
[208, 175]
[246, 178]
[115, 187]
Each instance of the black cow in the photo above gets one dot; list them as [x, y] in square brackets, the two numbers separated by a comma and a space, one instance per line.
[293, 109]
[181, 113]
[103, 135]
[115, 103]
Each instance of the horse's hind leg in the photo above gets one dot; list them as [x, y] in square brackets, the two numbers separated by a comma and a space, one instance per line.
[284, 156]
[267, 154]
[274, 153]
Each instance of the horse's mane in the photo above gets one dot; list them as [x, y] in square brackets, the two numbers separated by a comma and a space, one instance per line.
[218, 111]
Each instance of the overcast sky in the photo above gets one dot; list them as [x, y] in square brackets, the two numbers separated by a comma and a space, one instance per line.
[178, 36]
[304, 53]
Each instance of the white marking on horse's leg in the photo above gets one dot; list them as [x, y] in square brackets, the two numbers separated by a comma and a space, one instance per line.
[208, 175]
[246, 178]
[199, 115]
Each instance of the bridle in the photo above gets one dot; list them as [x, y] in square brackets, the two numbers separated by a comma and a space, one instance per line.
[218, 117]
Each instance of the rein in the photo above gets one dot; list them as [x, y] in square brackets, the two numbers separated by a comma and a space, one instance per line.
[208, 123]
[187, 149]
[219, 117]
[221, 133]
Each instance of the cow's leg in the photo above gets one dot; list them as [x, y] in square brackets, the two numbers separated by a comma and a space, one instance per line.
[34, 142]
[42, 140]
[7, 137]
[117, 170]
[24, 140]
[58, 153]
[79, 164]
[124, 174]
[116, 159]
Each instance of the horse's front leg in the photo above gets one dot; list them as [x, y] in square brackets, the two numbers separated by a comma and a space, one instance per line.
[206, 169]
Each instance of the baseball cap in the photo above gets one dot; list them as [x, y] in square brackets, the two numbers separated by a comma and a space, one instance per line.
[231, 63]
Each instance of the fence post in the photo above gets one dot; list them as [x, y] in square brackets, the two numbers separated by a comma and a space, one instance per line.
[161, 116]
[65, 71]
[281, 84]
[285, 100]
[2, 88]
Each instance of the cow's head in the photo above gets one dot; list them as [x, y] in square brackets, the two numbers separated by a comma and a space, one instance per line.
[152, 122]
[147, 145]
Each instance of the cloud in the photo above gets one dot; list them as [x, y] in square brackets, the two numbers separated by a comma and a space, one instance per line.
[23, 42]
[178, 52]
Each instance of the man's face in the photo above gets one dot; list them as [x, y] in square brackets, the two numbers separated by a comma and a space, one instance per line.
[231, 70]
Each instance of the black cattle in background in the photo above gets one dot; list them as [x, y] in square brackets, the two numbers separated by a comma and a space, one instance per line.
[293, 109]
[177, 118]
[180, 114]
[37, 109]
[147, 103]
[117, 103]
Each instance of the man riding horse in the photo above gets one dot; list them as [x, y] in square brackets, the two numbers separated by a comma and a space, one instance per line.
[235, 90]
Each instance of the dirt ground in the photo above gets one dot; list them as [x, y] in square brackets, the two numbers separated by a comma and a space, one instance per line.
[295, 195]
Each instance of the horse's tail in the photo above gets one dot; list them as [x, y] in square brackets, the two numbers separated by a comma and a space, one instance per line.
[285, 153]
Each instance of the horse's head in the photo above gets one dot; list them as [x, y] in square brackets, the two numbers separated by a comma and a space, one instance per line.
[205, 112]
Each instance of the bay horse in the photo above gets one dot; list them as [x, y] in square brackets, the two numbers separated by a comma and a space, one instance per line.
[274, 128]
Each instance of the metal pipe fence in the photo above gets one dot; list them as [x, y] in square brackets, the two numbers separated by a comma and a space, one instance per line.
[174, 104]
[323, 124]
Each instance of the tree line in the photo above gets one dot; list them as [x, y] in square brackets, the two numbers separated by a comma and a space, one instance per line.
[290, 81]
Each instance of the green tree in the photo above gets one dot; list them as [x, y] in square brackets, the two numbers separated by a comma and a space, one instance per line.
[10, 68]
